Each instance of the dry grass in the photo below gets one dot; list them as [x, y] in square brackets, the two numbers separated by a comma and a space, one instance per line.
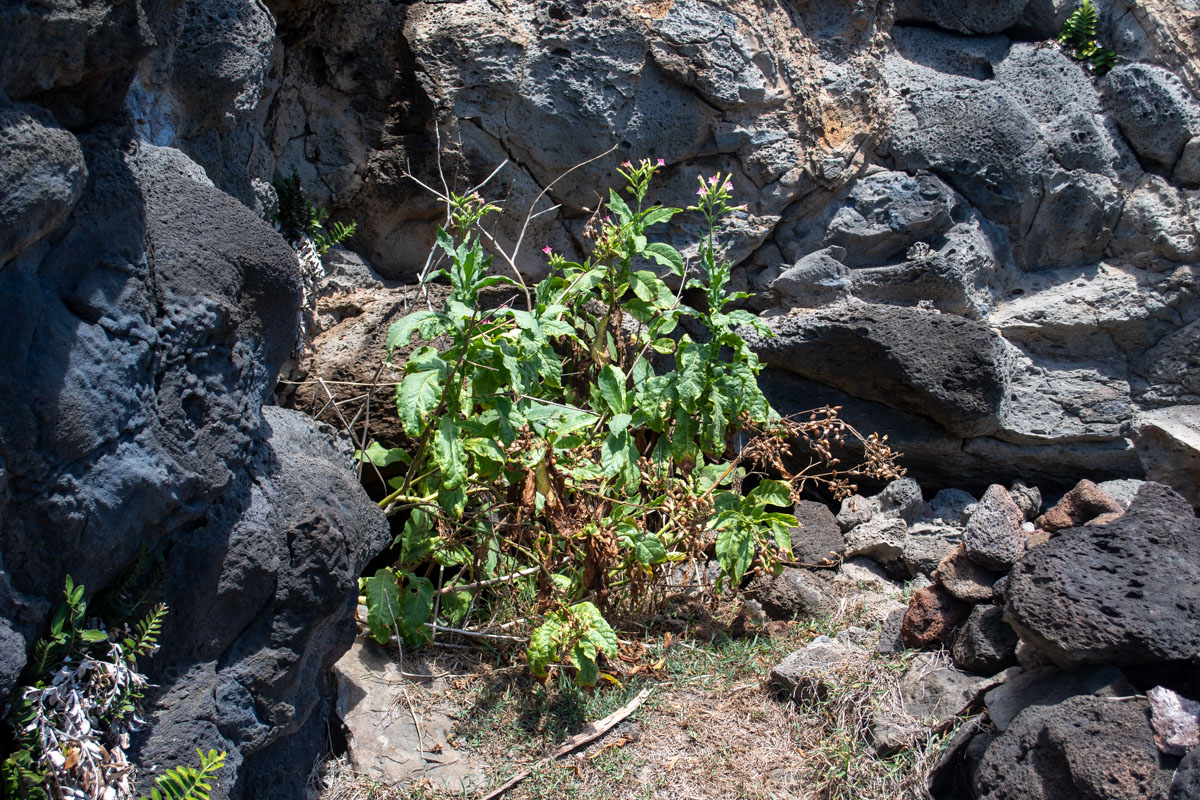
[714, 728]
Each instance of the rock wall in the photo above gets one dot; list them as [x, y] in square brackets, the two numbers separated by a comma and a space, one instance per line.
[147, 314]
[909, 162]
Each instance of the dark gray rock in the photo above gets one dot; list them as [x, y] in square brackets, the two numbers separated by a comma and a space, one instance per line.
[885, 213]
[1154, 110]
[42, 172]
[926, 546]
[1083, 747]
[1111, 593]
[1027, 498]
[278, 608]
[890, 640]
[993, 538]
[73, 56]
[1048, 686]
[940, 366]
[1187, 170]
[818, 538]
[792, 594]
[816, 280]
[901, 499]
[985, 643]
[952, 507]
[962, 17]
[855, 510]
[1186, 785]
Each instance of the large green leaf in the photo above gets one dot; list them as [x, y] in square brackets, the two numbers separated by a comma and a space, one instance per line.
[429, 323]
[383, 604]
[416, 396]
[735, 550]
[416, 606]
[772, 493]
[418, 538]
[618, 207]
[666, 256]
[543, 645]
[644, 546]
[611, 383]
[449, 453]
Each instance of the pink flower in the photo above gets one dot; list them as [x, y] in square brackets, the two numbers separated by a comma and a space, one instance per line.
[713, 180]
[661, 163]
[728, 187]
[546, 249]
[627, 165]
[701, 192]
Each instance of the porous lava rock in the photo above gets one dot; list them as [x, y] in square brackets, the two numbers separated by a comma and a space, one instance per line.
[1112, 593]
[1084, 747]
[1085, 502]
[994, 538]
[931, 618]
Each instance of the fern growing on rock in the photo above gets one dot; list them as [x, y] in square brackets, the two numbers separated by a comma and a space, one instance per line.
[1079, 37]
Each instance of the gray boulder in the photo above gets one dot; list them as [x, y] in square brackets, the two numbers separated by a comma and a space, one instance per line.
[805, 672]
[856, 510]
[1111, 593]
[1155, 111]
[1090, 746]
[952, 507]
[937, 365]
[1049, 686]
[901, 499]
[962, 17]
[886, 212]
[792, 594]
[1186, 785]
[985, 643]
[880, 539]
[1168, 444]
[994, 538]
[818, 538]
[816, 280]
[42, 172]
[926, 546]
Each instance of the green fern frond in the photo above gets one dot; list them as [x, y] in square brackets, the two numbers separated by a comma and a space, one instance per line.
[335, 234]
[1080, 28]
[44, 658]
[1102, 60]
[145, 635]
[133, 589]
[189, 783]
[21, 779]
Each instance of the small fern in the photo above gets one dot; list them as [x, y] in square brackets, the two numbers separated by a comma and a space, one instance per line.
[188, 783]
[133, 589]
[144, 640]
[1079, 37]
[297, 217]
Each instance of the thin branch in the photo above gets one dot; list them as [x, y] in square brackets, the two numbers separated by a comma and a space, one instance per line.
[466, 587]
[592, 732]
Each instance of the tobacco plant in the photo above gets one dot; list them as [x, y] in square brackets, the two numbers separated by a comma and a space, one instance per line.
[579, 448]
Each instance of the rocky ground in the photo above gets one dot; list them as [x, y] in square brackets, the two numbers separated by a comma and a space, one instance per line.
[992, 647]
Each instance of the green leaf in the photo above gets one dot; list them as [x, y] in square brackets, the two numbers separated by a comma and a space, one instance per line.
[453, 501]
[449, 454]
[735, 550]
[418, 538]
[93, 636]
[618, 207]
[382, 456]
[416, 396]
[665, 256]
[584, 660]
[383, 604]
[596, 630]
[614, 453]
[416, 605]
[400, 332]
[645, 547]
[663, 345]
[611, 383]
[772, 493]
[543, 645]
[657, 215]
[619, 422]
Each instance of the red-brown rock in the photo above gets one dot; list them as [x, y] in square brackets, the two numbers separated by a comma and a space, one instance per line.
[932, 616]
[1082, 504]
